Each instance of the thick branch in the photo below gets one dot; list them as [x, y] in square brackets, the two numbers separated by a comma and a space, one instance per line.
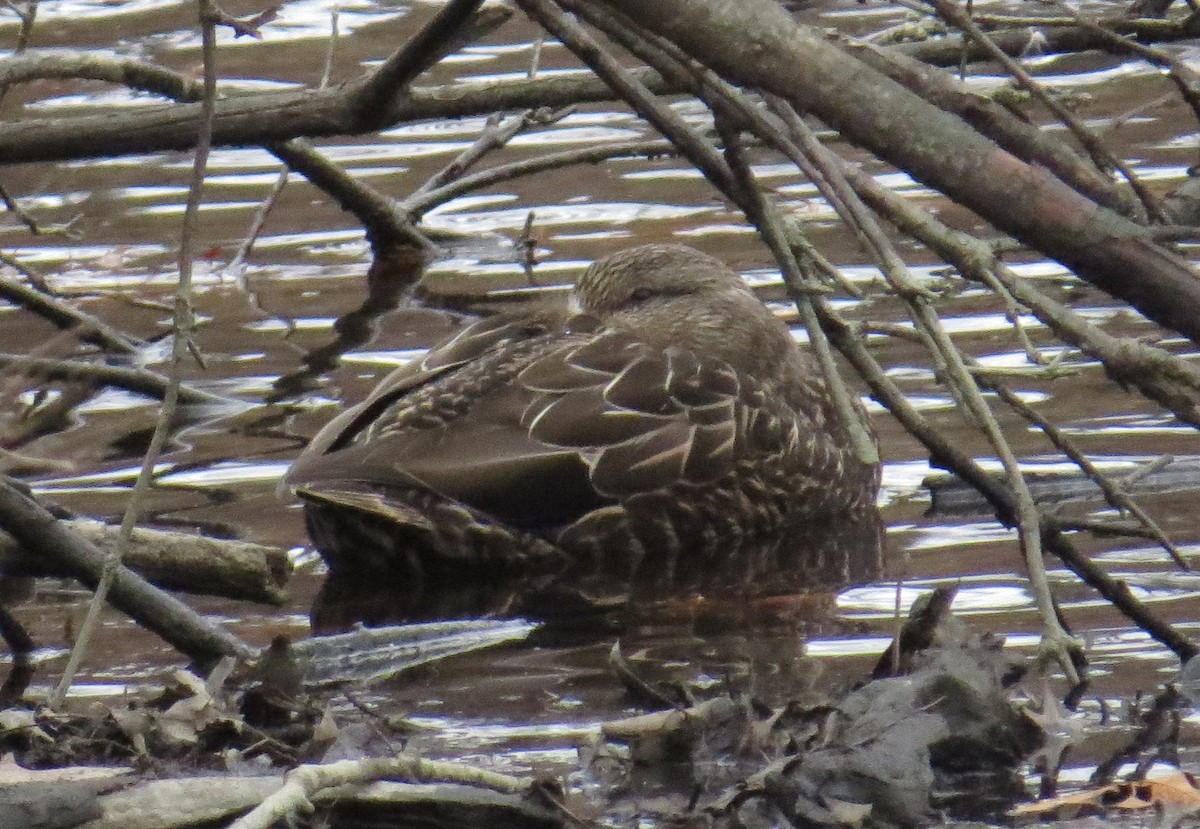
[173, 561]
[756, 43]
[276, 117]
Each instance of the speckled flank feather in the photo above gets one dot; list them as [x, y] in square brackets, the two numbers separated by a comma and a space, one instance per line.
[672, 425]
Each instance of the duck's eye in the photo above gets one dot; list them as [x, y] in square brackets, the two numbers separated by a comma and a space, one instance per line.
[641, 294]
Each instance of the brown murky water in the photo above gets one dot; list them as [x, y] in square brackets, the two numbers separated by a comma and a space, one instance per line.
[258, 322]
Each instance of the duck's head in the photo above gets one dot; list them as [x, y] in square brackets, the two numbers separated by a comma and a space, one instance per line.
[675, 296]
[652, 275]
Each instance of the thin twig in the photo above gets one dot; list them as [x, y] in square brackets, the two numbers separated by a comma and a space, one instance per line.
[419, 204]
[83, 325]
[1114, 493]
[139, 380]
[1158, 374]
[950, 11]
[426, 48]
[331, 47]
[1056, 640]
[268, 202]
[770, 224]
[681, 71]
[1184, 77]
[496, 133]
[1157, 465]
[27, 16]
[949, 455]
[183, 323]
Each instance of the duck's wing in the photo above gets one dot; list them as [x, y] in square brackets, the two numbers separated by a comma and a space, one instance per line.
[643, 418]
[360, 423]
[647, 419]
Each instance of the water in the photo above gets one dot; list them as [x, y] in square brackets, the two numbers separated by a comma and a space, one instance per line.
[308, 269]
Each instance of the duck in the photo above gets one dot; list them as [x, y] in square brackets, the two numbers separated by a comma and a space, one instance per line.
[656, 435]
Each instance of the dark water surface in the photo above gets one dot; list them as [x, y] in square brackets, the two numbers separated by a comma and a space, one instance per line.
[523, 706]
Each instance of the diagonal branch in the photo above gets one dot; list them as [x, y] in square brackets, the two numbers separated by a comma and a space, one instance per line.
[757, 44]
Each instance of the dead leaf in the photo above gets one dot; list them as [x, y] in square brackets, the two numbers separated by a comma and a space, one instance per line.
[1175, 789]
[1177, 792]
[17, 719]
[847, 813]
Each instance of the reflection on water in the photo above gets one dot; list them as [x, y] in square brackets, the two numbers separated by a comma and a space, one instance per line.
[755, 580]
[271, 337]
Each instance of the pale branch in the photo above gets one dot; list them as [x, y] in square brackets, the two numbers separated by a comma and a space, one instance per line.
[303, 784]
[256, 225]
[218, 799]
[1155, 466]
[173, 561]
[102, 66]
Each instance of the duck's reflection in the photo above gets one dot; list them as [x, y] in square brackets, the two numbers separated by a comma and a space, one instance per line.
[793, 576]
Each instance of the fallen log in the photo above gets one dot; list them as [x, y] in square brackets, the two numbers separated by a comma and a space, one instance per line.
[172, 561]
[203, 801]
[952, 495]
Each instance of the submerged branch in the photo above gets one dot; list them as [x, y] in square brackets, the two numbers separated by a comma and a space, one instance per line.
[41, 533]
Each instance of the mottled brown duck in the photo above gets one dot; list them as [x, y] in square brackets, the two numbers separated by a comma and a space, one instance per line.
[663, 437]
